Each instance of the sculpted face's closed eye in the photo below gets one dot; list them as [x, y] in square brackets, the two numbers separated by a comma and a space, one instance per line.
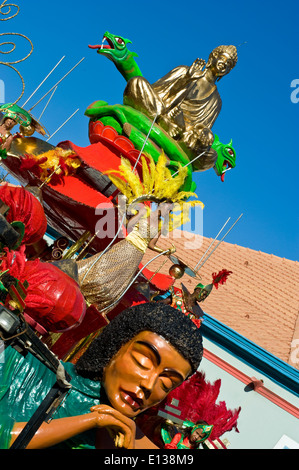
[147, 357]
[142, 355]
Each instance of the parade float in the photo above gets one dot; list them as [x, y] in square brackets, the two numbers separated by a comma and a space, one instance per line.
[139, 169]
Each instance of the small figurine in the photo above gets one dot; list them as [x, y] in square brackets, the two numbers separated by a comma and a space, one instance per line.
[13, 115]
[54, 302]
[187, 436]
[197, 398]
[6, 137]
[187, 302]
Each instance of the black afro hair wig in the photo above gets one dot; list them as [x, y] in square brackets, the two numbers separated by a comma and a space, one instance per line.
[168, 322]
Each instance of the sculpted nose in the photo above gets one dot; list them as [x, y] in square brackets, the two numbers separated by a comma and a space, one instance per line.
[147, 384]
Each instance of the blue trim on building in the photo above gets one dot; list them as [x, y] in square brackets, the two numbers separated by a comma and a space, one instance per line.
[251, 354]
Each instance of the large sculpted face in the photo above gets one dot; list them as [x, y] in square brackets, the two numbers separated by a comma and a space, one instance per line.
[143, 372]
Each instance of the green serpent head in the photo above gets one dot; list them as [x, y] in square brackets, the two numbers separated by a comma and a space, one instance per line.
[226, 157]
[116, 49]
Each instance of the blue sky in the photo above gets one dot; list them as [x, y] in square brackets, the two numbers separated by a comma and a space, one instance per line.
[257, 111]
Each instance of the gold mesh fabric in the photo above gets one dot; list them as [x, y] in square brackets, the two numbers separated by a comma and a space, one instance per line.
[110, 276]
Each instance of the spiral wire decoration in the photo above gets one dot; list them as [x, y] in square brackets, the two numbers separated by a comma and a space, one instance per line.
[11, 43]
[9, 5]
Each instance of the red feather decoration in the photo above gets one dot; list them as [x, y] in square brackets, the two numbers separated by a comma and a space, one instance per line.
[54, 299]
[25, 208]
[197, 401]
[221, 277]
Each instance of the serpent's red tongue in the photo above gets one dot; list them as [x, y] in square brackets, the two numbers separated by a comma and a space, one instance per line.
[222, 177]
[100, 46]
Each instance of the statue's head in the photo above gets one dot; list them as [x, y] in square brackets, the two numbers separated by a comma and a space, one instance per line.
[222, 60]
[143, 354]
[202, 291]
[8, 123]
[16, 114]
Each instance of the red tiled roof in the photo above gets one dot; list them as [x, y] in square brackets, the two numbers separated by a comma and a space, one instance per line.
[260, 300]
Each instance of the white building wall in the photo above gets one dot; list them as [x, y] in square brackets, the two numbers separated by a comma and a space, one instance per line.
[261, 423]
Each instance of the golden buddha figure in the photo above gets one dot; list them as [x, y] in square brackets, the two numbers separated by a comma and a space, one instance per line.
[186, 101]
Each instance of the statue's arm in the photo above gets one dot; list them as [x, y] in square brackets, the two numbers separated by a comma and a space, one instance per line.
[62, 429]
[152, 246]
[57, 430]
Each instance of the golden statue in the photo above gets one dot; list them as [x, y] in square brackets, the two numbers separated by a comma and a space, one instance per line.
[186, 101]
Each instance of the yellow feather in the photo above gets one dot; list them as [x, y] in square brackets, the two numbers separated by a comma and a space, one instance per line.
[122, 186]
[152, 168]
[132, 179]
[158, 182]
[146, 177]
[159, 187]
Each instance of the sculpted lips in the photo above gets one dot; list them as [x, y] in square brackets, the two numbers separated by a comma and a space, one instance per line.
[131, 399]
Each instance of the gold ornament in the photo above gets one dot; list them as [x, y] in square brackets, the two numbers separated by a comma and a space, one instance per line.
[176, 271]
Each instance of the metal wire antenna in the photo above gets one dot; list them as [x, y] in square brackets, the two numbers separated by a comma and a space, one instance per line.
[211, 244]
[43, 82]
[204, 261]
[56, 84]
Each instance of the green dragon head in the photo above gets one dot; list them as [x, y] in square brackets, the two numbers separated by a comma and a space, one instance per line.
[116, 49]
[226, 157]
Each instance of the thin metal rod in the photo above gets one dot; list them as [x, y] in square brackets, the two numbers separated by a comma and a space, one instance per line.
[49, 177]
[219, 242]
[43, 81]
[47, 104]
[4, 177]
[211, 244]
[57, 83]
[146, 139]
[187, 164]
[62, 125]
[79, 256]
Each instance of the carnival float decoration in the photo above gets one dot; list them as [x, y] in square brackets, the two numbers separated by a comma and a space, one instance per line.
[196, 403]
[139, 168]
